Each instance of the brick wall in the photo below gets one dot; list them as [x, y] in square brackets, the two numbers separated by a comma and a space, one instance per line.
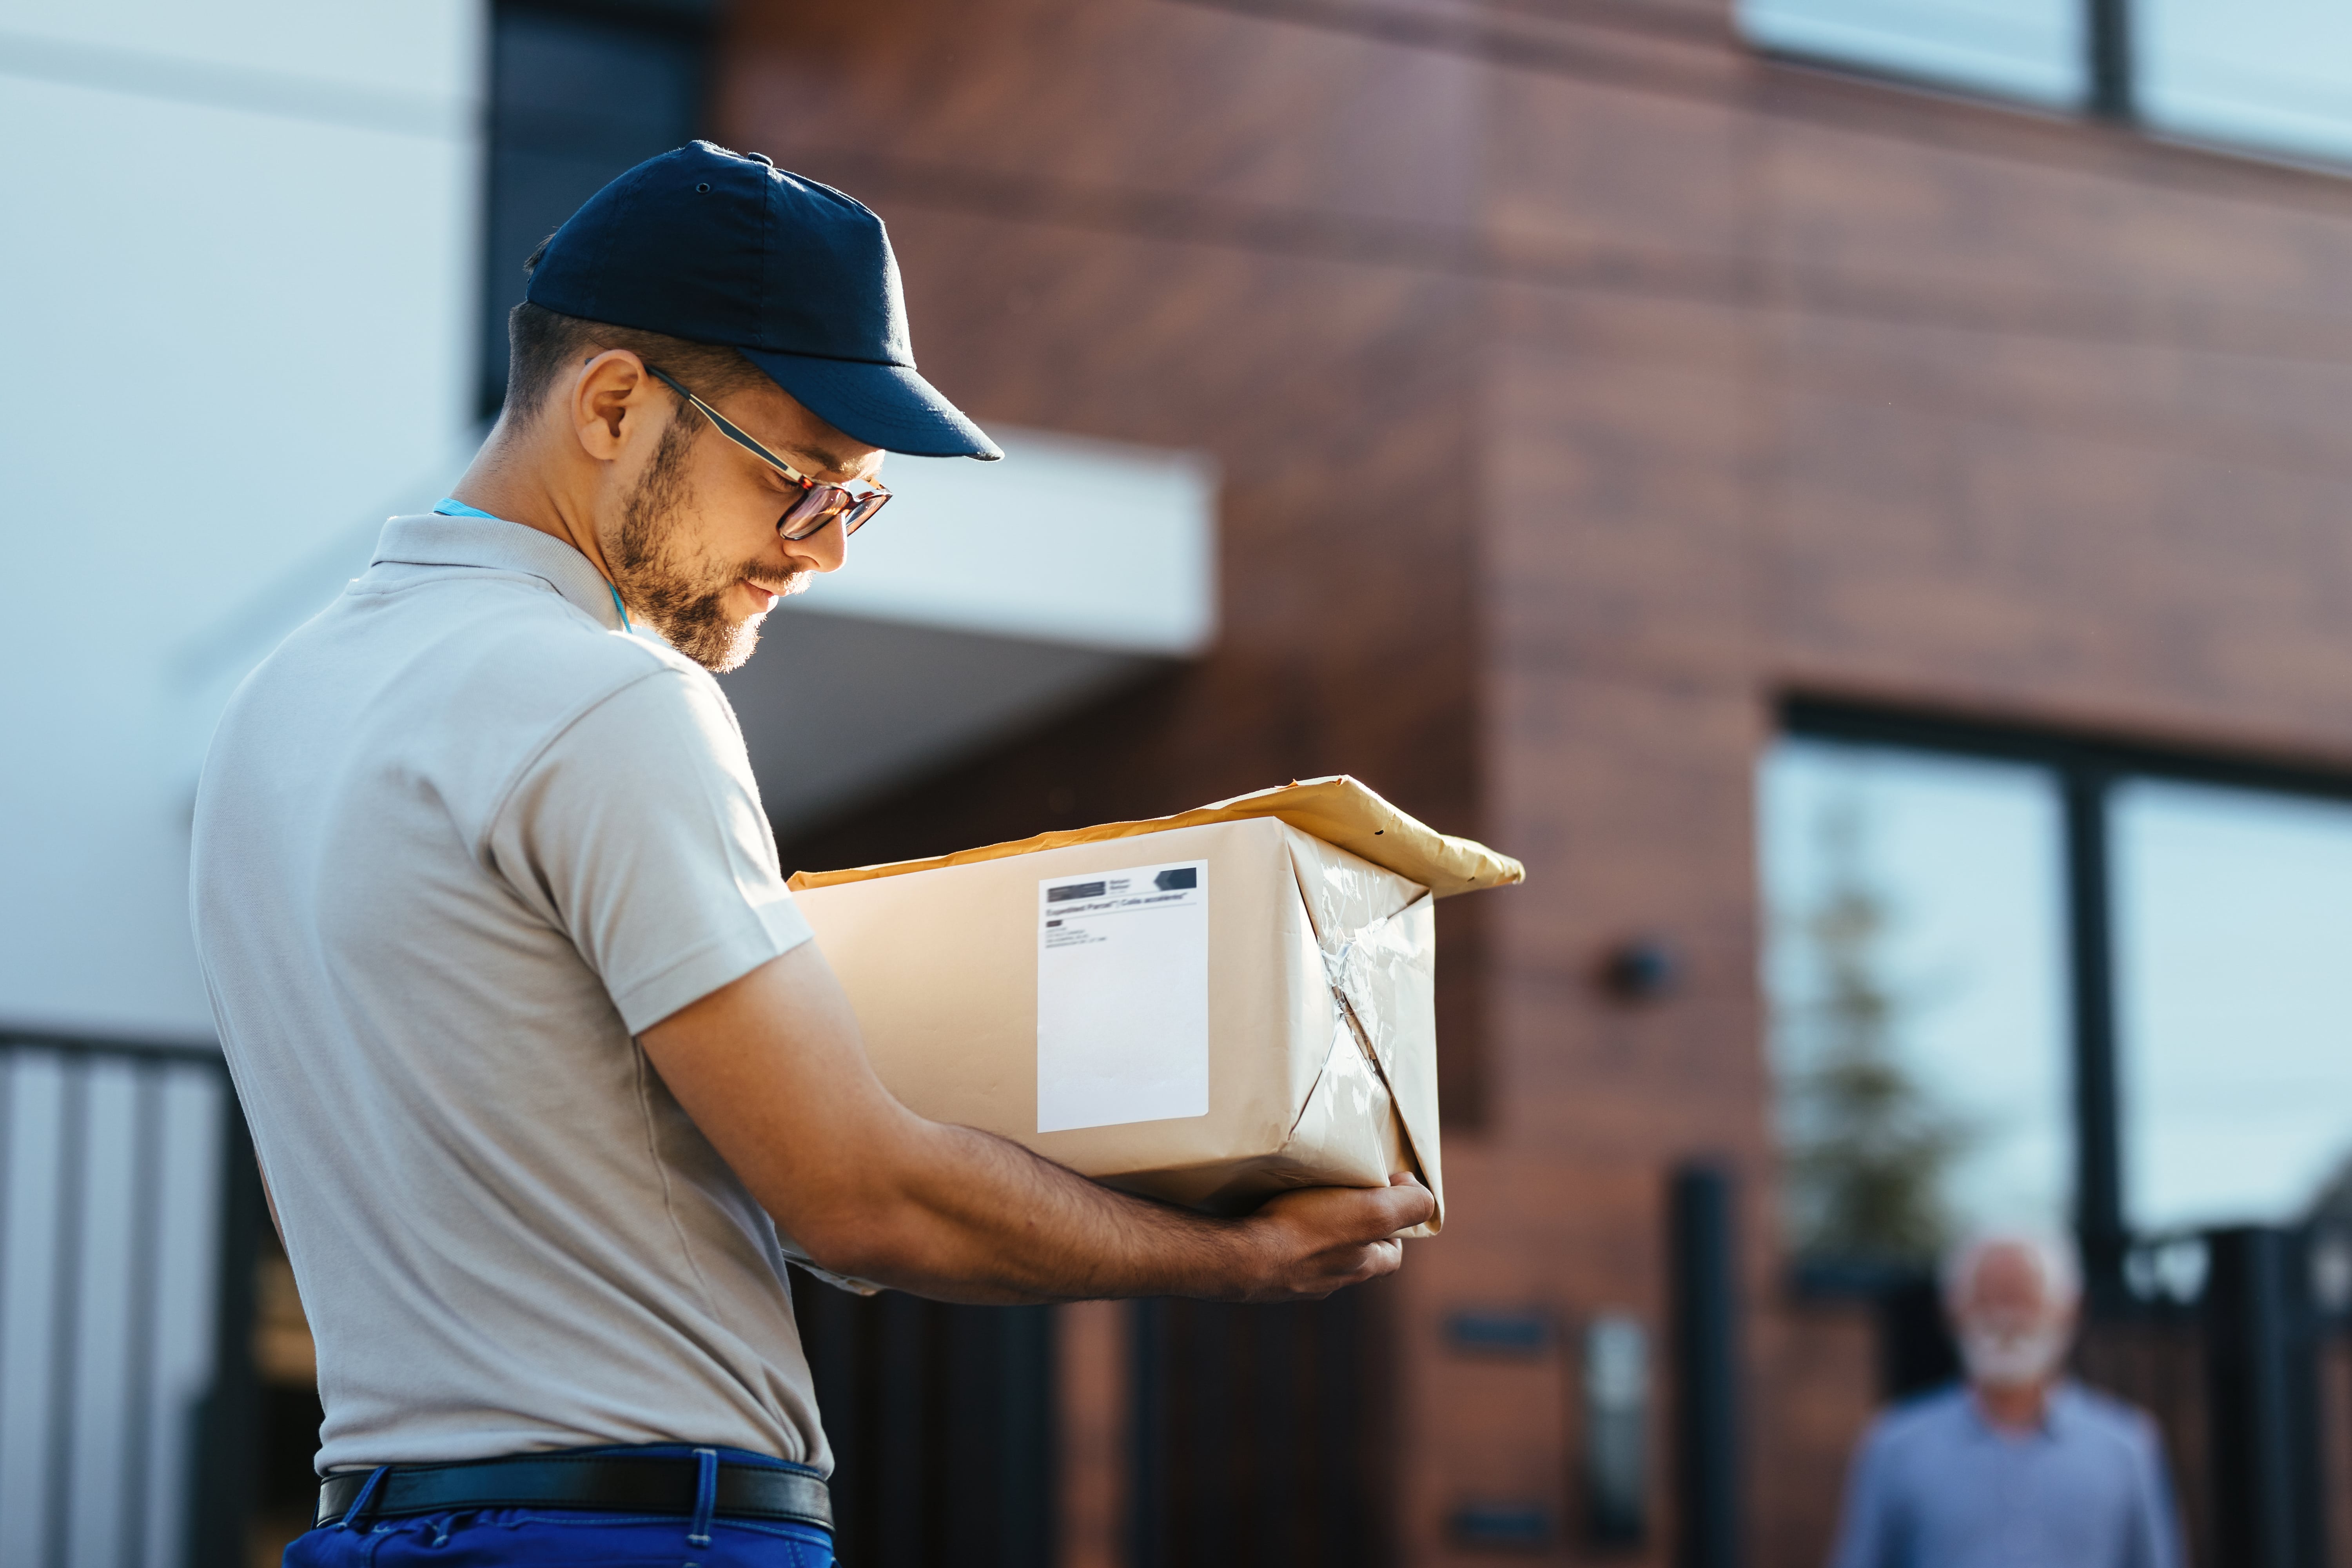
[1582, 383]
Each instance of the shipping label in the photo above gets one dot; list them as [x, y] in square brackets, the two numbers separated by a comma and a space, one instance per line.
[1123, 996]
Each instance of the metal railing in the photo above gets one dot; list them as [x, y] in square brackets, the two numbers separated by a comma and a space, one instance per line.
[127, 1230]
[2233, 1340]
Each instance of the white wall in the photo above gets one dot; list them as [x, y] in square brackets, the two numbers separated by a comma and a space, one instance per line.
[986, 599]
[236, 286]
[1094, 543]
[237, 282]
[237, 289]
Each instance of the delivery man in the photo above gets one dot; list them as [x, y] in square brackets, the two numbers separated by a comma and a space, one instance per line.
[538, 1056]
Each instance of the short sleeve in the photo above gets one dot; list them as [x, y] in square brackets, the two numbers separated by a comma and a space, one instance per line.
[638, 830]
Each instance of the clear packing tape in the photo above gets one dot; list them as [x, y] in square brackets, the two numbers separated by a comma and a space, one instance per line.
[1373, 1107]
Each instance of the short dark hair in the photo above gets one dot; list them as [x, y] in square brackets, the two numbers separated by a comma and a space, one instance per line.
[542, 344]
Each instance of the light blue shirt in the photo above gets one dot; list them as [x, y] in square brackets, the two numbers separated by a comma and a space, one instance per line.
[1935, 1485]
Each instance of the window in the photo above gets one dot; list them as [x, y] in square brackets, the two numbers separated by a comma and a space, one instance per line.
[2235, 958]
[2029, 49]
[2019, 976]
[578, 94]
[1914, 967]
[2269, 74]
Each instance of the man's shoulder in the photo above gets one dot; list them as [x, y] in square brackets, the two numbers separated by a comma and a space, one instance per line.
[496, 637]
[1923, 1418]
[476, 671]
[550, 654]
[2102, 1417]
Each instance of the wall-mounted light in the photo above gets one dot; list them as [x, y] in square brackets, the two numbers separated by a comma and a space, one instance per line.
[1642, 969]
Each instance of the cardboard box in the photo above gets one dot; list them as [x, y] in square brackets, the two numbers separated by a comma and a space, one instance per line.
[1205, 1008]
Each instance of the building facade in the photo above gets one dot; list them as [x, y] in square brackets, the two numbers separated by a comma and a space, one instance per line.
[1587, 385]
[1538, 410]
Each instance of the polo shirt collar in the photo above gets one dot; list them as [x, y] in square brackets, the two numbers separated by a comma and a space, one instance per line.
[491, 543]
[2057, 1416]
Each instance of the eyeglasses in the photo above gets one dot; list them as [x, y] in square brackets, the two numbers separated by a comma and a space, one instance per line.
[820, 503]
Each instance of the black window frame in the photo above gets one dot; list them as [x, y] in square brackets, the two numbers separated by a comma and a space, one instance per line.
[2111, 80]
[690, 27]
[2085, 768]
[2106, 30]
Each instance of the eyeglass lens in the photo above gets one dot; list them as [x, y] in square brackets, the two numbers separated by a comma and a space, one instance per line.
[821, 505]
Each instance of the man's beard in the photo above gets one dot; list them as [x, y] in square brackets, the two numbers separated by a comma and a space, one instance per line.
[2012, 1359]
[685, 598]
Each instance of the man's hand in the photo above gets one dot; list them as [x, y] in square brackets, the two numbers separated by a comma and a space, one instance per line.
[772, 1071]
[1326, 1238]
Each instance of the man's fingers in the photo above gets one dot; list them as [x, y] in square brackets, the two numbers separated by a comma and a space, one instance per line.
[1372, 1214]
[1338, 1270]
[1350, 1215]
[1406, 1202]
[1339, 1237]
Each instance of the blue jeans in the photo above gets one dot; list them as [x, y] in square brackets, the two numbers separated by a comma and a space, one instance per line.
[506, 1537]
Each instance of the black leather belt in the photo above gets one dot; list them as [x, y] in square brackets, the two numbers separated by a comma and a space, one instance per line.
[597, 1482]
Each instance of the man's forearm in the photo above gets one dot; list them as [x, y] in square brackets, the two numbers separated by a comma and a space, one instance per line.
[770, 1070]
[983, 1219]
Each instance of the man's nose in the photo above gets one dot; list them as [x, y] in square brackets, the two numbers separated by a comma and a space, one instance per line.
[823, 551]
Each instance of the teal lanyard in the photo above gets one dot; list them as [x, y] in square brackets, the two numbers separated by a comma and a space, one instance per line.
[450, 506]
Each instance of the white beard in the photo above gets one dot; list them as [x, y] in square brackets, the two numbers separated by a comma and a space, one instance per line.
[2012, 1359]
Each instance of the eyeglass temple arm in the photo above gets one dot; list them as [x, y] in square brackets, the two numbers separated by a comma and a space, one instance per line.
[750, 443]
[743, 439]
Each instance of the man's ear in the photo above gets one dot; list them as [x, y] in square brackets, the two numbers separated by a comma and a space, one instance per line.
[611, 390]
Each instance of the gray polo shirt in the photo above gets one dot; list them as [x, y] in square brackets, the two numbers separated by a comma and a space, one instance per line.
[1937, 1485]
[458, 840]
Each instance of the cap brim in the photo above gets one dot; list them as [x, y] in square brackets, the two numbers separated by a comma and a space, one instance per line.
[884, 405]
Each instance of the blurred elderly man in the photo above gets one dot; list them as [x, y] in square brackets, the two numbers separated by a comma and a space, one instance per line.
[2016, 1467]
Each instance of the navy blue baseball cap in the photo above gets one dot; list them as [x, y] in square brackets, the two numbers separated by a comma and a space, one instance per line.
[725, 248]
